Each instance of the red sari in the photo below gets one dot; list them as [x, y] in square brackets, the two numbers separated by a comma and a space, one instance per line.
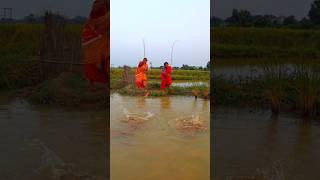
[166, 77]
[95, 42]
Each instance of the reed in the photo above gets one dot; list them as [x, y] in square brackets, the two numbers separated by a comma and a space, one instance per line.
[307, 79]
[274, 79]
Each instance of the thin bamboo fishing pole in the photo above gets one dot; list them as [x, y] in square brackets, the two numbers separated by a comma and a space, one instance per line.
[171, 61]
[144, 48]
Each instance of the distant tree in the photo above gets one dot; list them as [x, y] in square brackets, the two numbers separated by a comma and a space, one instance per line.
[215, 21]
[244, 18]
[290, 20]
[305, 23]
[314, 13]
[240, 18]
[234, 17]
[272, 20]
[30, 18]
[187, 67]
[259, 21]
[78, 20]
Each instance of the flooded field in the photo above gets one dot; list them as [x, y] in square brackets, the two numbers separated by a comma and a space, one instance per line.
[248, 142]
[163, 138]
[49, 143]
[246, 72]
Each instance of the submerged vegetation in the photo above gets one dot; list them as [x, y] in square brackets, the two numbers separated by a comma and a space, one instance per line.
[281, 89]
[274, 84]
[287, 60]
[308, 80]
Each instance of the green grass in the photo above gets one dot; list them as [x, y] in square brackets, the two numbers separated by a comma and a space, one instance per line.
[19, 43]
[154, 90]
[154, 81]
[154, 74]
[68, 90]
[233, 42]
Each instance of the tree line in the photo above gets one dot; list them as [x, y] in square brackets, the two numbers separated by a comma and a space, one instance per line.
[244, 18]
[39, 19]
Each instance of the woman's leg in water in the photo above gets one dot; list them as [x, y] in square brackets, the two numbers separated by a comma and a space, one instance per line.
[145, 85]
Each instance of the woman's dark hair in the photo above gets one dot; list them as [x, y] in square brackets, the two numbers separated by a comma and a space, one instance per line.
[166, 63]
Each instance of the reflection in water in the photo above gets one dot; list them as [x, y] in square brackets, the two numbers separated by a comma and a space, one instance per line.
[278, 147]
[44, 143]
[141, 102]
[157, 150]
[165, 102]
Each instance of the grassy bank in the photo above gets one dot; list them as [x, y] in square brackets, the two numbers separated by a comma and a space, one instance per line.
[154, 80]
[297, 92]
[19, 44]
[154, 90]
[154, 74]
[67, 90]
[232, 42]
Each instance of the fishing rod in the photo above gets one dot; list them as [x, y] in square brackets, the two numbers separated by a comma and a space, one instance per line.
[144, 48]
[171, 61]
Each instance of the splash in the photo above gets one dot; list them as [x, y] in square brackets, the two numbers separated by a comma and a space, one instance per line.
[145, 117]
[191, 124]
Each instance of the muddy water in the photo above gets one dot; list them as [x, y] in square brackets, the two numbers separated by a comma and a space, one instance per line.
[50, 143]
[251, 142]
[155, 149]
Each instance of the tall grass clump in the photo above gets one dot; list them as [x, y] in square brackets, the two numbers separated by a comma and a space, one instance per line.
[274, 75]
[308, 87]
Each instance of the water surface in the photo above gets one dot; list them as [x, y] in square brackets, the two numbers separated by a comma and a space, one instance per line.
[157, 150]
[247, 142]
[50, 143]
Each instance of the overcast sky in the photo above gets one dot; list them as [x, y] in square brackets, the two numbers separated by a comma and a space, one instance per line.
[298, 8]
[221, 8]
[160, 23]
[70, 8]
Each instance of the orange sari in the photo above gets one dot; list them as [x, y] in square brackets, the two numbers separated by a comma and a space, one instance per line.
[95, 43]
[141, 75]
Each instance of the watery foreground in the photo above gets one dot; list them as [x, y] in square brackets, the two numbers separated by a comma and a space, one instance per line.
[163, 138]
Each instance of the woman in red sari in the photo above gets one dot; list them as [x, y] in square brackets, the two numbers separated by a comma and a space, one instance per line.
[95, 43]
[166, 76]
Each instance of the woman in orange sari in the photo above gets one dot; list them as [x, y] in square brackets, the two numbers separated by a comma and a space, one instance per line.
[95, 43]
[141, 75]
